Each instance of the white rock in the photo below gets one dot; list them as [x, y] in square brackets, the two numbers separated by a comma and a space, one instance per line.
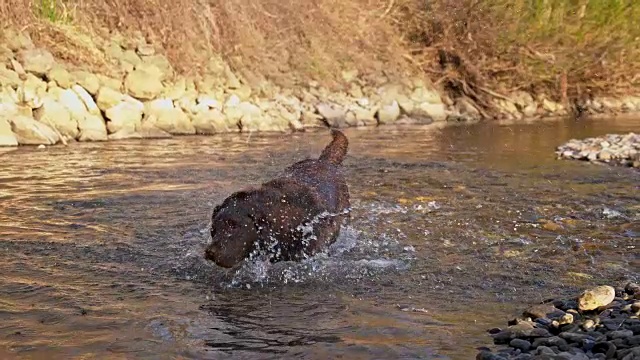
[92, 128]
[124, 115]
[87, 100]
[108, 98]
[57, 116]
[209, 102]
[594, 298]
[87, 80]
[143, 84]
[31, 132]
[7, 137]
[232, 101]
[69, 99]
[437, 112]
[211, 122]
[387, 114]
[36, 61]
[163, 115]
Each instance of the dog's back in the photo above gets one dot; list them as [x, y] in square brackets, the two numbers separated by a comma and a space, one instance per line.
[324, 175]
[312, 192]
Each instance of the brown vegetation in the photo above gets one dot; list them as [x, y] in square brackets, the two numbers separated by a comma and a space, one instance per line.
[482, 48]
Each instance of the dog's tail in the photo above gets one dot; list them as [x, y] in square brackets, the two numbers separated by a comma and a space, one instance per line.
[336, 151]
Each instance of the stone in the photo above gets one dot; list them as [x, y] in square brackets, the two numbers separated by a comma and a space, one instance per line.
[211, 122]
[16, 40]
[387, 114]
[60, 76]
[114, 51]
[355, 91]
[158, 105]
[87, 100]
[157, 63]
[150, 131]
[551, 342]
[550, 106]
[263, 123]
[508, 107]
[311, 119]
[73, 103]
[28, 131]
[208, 84]
[611, 103]
[521, 344]
[209, 102]
[232, 101]
[594, 298]
[87, 80]
[423, 95]
[349, 75]
[110, 82]
[166, 117]
[17, 67]
[130, 57]
[6, 55]
[92, 128]
[32, 91]
[135, 102]
[331, 113]
[107, 98]
[248, 110]
[124, 133]
[58, 117]
[437, 112]
[8, 96]
[364, 116]
[232, 81]
[188, 103]
[145, 50]
[7, 137]
[124, 115]
[36, 61]
[288, 114]
[143, 84]
[243, 92]
[9, 77]
[407, 106]
[176, 90]
[540, 311]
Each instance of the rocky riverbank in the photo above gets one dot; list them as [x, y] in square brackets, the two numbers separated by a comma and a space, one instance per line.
[600, 323]
[43, 101]
[615, 149]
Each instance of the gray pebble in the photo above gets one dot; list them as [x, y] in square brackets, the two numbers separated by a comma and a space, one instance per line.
[545, 350]
[620, 334]
[521, 344]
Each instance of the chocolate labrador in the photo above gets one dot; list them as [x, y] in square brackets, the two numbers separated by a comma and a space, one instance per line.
[289, 218]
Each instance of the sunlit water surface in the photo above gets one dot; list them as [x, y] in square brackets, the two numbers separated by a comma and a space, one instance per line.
[454, 231]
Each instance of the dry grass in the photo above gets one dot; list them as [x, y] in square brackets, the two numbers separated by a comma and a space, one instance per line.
[565, 48]
[276, 38]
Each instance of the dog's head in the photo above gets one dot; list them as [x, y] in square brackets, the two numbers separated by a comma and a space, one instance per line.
[233, 232]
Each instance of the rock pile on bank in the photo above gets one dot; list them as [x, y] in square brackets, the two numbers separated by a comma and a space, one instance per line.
[140, 95]
[617, 149]
[44, 102]
[601, 323]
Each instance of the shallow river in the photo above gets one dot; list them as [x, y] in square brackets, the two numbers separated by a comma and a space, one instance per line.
[454, 231]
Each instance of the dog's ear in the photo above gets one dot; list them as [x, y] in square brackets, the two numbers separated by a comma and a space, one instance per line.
[239, 195]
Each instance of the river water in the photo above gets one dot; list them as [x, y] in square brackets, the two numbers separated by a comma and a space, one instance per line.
[455, 230]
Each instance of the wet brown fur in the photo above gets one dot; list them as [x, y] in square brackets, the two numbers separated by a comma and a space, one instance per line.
[310, 191]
